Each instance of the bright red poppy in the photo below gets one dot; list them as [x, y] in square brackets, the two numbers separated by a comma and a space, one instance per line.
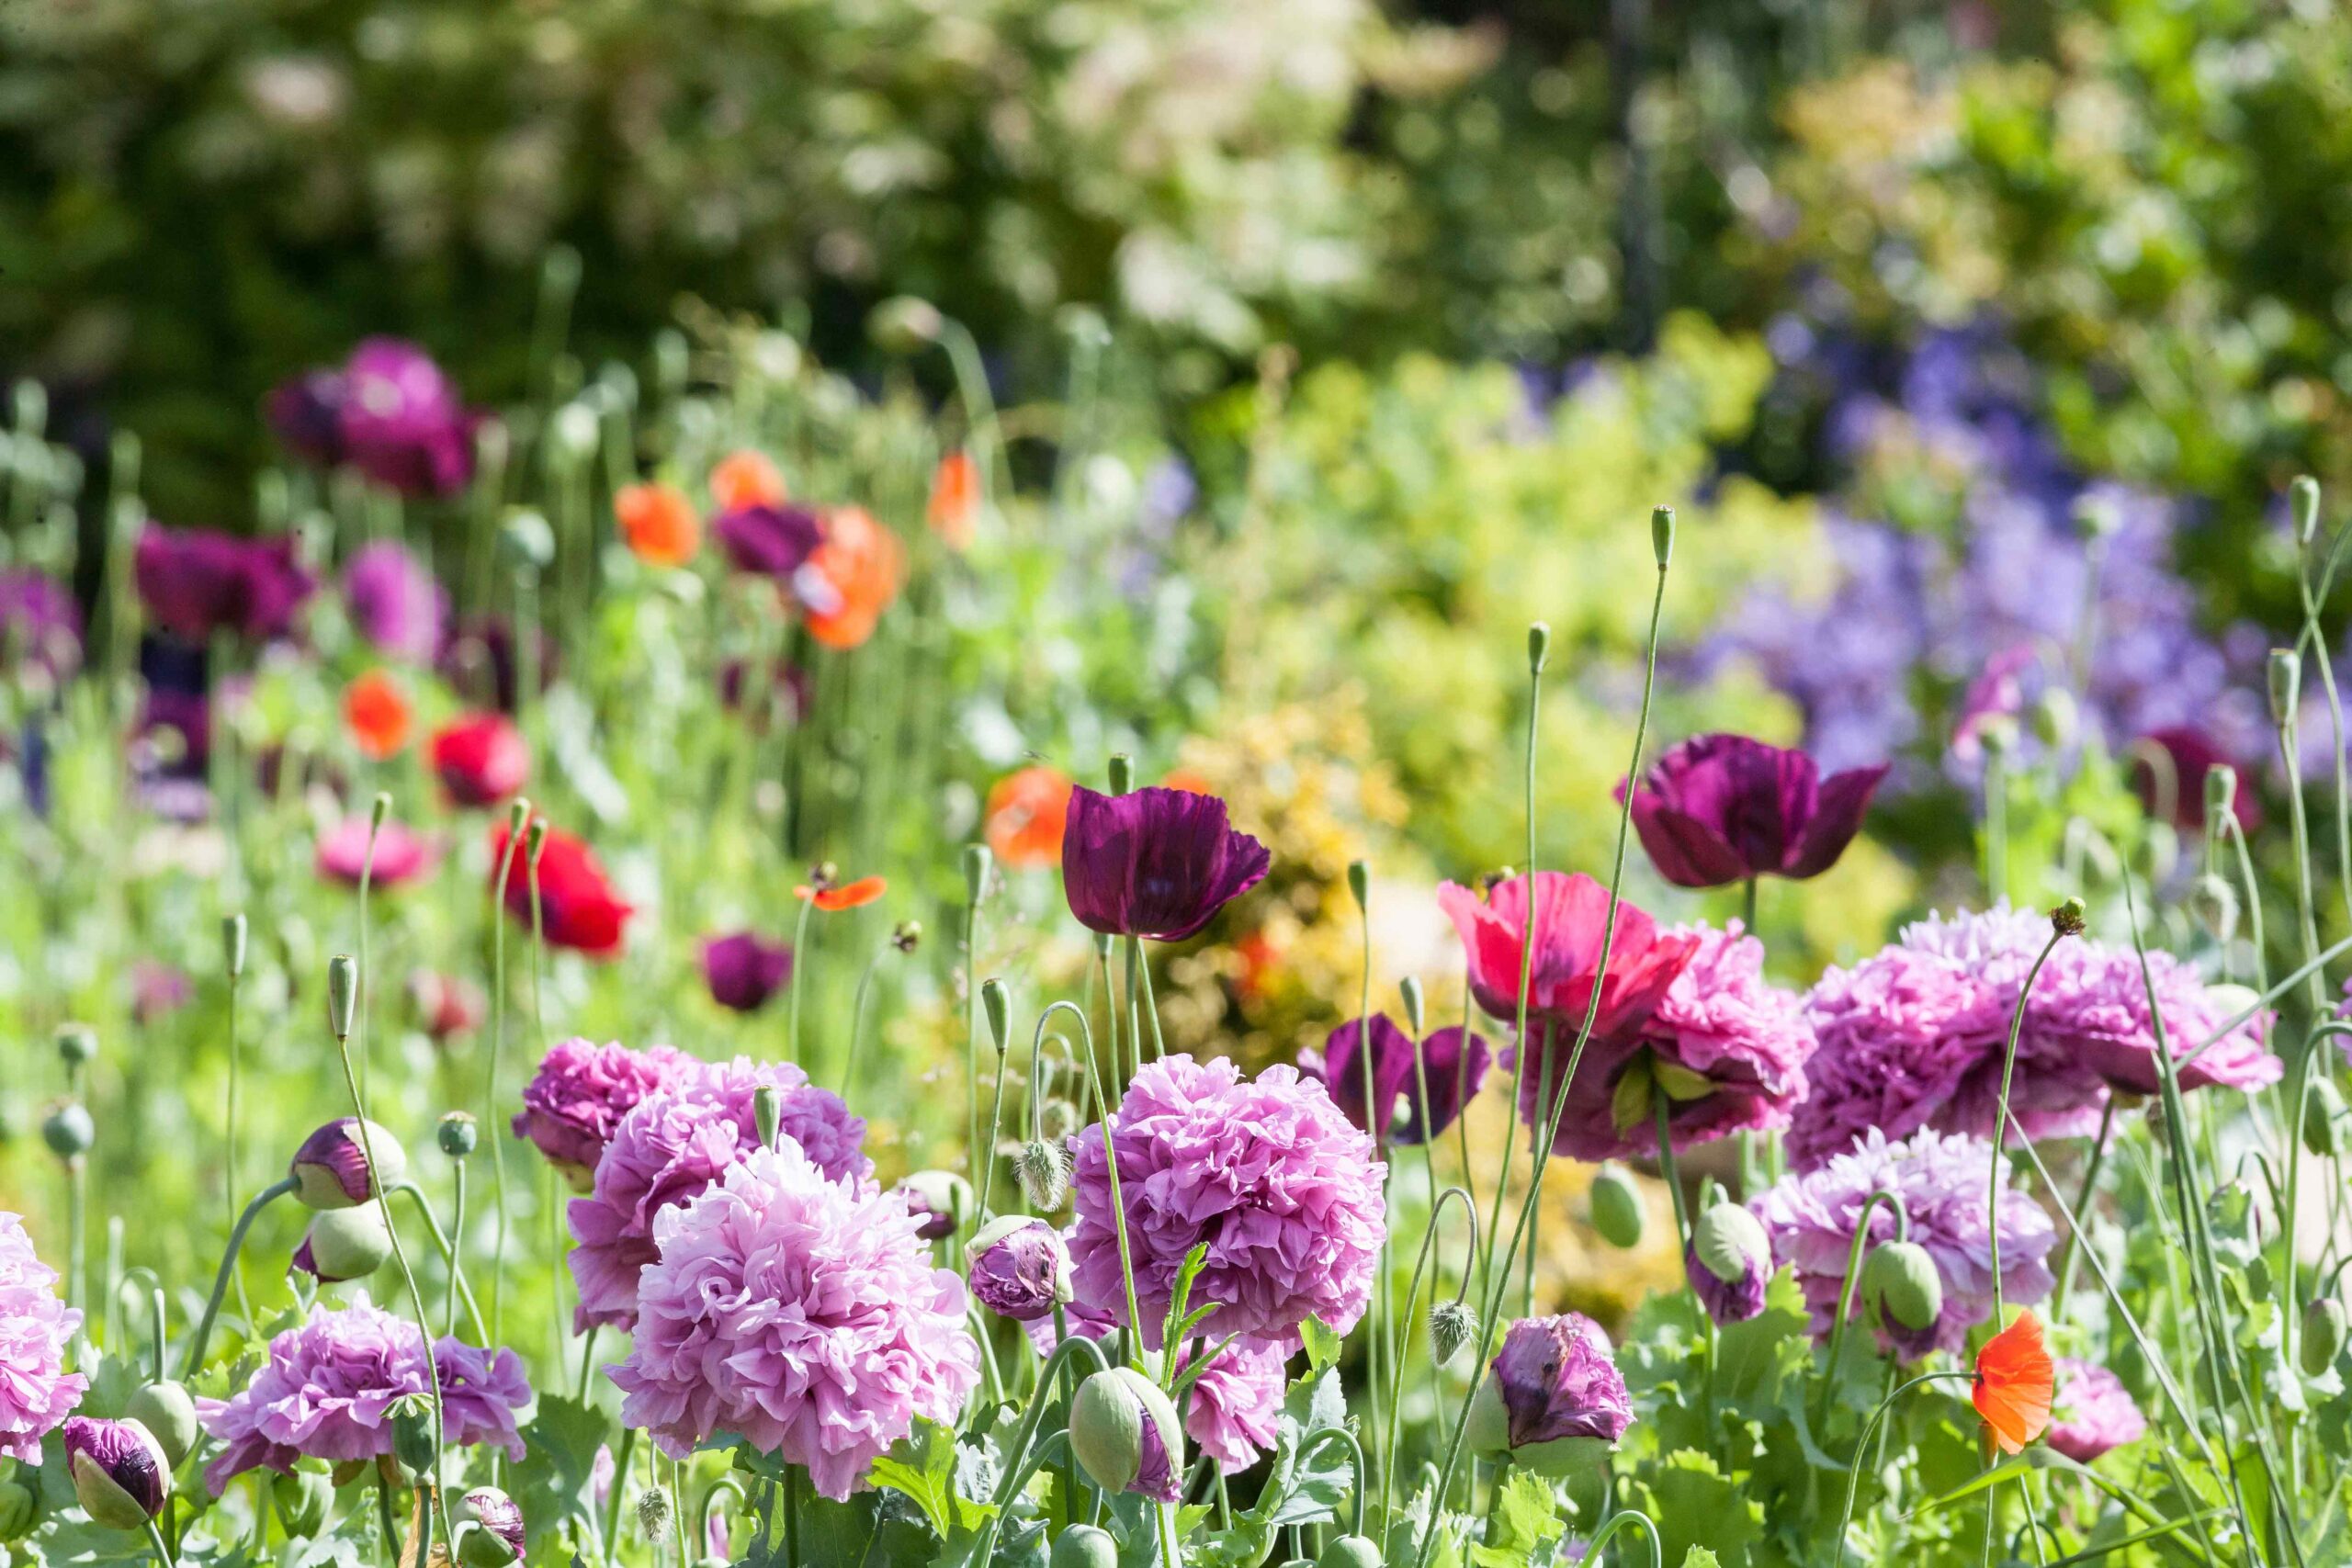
[577, 903]
[481, 759]
[848, 895]
[2015, 1384]
[376, 710]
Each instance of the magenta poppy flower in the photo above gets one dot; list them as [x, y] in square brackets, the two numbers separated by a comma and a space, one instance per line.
[1571, 915]
[197, 583]
[745, 969]
[394, 601]
[389, 412]
[1994, 699]
[769, 541]
[39, 623]
[1453, 1070]
[1722, 808]
[1157, 862]
[401, 856]
[2192, 754]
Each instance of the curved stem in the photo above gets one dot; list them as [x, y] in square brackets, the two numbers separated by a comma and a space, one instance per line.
[1017, 1469]
[1846, 1287]
[2001, 1120]
[1854, 1470]
[261, 1200]
[1111, 1163]
[1322, 1435]
[162, 1553]
[1624, 1516]
[1405, 1323]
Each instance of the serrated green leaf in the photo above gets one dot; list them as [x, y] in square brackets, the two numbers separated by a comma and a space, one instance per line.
[1322, 1344]
[1526, 1516]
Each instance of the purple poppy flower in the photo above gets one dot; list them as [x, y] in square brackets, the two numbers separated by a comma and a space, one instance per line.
[771, 541]
[330, 1170]
[40, 624]
[197, 583]
[158, 990]
[1157, 863]
[1020, 1268]
[1996, 697]
[121, 1477]
[1453, 1071]
[395, 602]
[2093, 1413]
[306, 414]
[1720, 808]
[745, 969]
[2184, 754]
[1552, 1399]
[402, 422]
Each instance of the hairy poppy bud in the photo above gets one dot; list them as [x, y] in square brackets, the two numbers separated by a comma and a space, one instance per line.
[1730, 1262]
[1903, 1293]
[1126, 1435]
[997, 1007]
[68, 1129]
[2302, 499]
[2286, 680]
[2214, 903]
[233, 946]
[1453, 1325]
[653, 1512]
[496, 1539]
[939, 1199]
[1360, 881]
[2069, 918]
[2322, 1117]
[77, 1045]
[1020, 1267]
[344, 1244]
[458, 1133]
[343, 994]
[978, 858]
[121, 1477]
[301, 1501]
[1044, 1173]
[1539, 645]
[2221, 794]
[2322, 1335]
[1616, 1207]
[330, 1170]
[167, 1410]
[1662, 534]
[907, 935]
[1085, 1546]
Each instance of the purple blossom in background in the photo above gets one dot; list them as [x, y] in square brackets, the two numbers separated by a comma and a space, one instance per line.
[197, 583]
[35, 1324]
[40, 624]
[395, 602]
[2093, 1412]
[744, 969]
[388, 411]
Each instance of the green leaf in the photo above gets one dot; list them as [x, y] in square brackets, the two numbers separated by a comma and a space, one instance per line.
[1696, 1505]
[1322, 1344]
[1700, 1557]
[551, 1482]
[1526, 1515]
[1179, 1300]
[922, 1466]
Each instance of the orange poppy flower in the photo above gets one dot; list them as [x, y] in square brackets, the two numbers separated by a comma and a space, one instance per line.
[2014, 1385]
[1190, 782]
[658, 522]
[852, 577]
[1026, 813]
[955, 509]
[848, 895]
[746, 479]
[376, 710]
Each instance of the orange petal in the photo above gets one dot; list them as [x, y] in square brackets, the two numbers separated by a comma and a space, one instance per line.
[2015, 1384]
[848, 895]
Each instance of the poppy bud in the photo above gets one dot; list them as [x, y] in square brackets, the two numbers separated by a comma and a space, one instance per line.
[1360, 881]
[1903, 1290]
[233, 946]
[1416, 1016]
[2322, 1118]
[653, 1512]
[998, 1008]
[1662, 534]
[330, 1170]
[2096, 518]
[2214, 903]
[2056, 718]
[344, 1244]
[301, 1501]
[1126, 1435]
[2069, 918]
[1122, 773]
[902, 323]
[767, 1113]
[121, 1477]
[907, 935]
[1350, 1551]
[2322, 1335]
[2302, 499]
[1539, 645]
[77, 1045]
[939, 1199]
[68, 1129]
[2221, 794]
[1730, 1262]
[1453, 1325]
[167, 1410]
[458, 1133]
[19, 1509]
[978, 858]
[1085, 1546]
[2286, 678]
[1020, 1267]
[343, 994]
[1043, 1174]
[496, 1539]
[1616, 1207]
[526, 540]
[413, 1442]
[1552, 1399]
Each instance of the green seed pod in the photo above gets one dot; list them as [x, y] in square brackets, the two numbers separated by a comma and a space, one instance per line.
[526, 540]
[1539, 647]
[1901, 1286]
[1360, 881]
[1616, 1207]
[767, 1113]
[343, 994]
[167, 1410]
[2221, 794]
[2286, 680]
[653, 1513]
[2302, 499]
[233, 946]
[19, 1509]
[413, 1442]
[1122, 773]
[1662, 534]
[1350, 1551]
[458, 1133]
[77, 1045]
[2214, 903]
[1415, 1012]
[996, 1006]
[1084, 1546]
[68, 1129]
[2322, 1335]
[1730, 1244]
[1043, 1174]
[1118, 1418]
[301, 1501]
[2322, 1118]
[978, 858]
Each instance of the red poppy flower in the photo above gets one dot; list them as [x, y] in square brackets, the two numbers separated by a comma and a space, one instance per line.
[848, 895]
[481, 759]
[955, 509]
[2015, 1383]
[376, 710]
[746, 479]
[658, 522]
[1027, 814]
[577, 905]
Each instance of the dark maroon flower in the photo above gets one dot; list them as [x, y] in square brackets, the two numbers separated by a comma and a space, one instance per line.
[2192, 754]
[306, 414]
[197, 583]
[1452, 1079]
[40, 624]
[745, 969]
[1720, 808]
[772, 541]
[389, 413]
[1157, 863]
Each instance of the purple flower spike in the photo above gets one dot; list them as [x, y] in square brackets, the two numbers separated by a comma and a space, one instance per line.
[1020, 1268]
[1451, 1079]
[120, 1474]
[1157, 862]
[196, 583]
[1722, 808]
[394, 601]
[768, 541]
[745, 969]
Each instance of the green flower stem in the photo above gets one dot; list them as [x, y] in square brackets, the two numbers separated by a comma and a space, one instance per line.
[587, 1361]
[1489, 1292]
[444, 1244]
[1405, 1326]
[457, 1262]
[612, 1524]
[988, 1146]
[1018, 1466]
[261, 1200]
[492, 1104]
[2066, 1255]
[1854, 1470]
[2269, 997]
[1322, 1435]
[1543, 1094]
[2313, 638]
[1747, 904]
[799, 973]
[973, 1156]
[847, 1077]
[1151, 1001]
[1619, 1520]
[232, 1185]
[366, 976]
[1382, 1375]
[2299, 1067]
[1110, 1162]
[1852, 1280]
[156, 1541]
[2001, 1119]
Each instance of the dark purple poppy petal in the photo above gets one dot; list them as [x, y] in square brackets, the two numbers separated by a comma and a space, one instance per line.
[1391, 1063]
[1838, 816]
[1157, 862]
[1454, 1064]
[770, 541]
[1686, 851]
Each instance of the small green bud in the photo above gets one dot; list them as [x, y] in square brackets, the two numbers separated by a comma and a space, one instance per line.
[167, 1410]
[767, 1113]
[2322, 1118]
[1085, 1546]
[1350, 1551]
[2214, 903]
[902, 323]
[525, 539]
[68, 1129]
[1359, 882]
[2057, 718]
[1453, 1325]
[653, 1513]
[1901, 1286]
[458, 1133]
[1416, 1013]
[997, 1007]
[120, 1475]
[379, 811]
[2302, 499]
[301, 1501]
[1731, 1244]
[534, 842]
[1122, 773]
[343, 994]
[2322, 1335]
[2221, 794]
[2286, 673]
[344, 1244]
[1662, 534]
[232, 945]
[19, 1509]
[1616, 1207]
[77, 1045]
[497, 1536]
[976, 861]
[1539, 647]
[2069, 918]
[2096, 518]
[1107, 1421]
[1043, 1174]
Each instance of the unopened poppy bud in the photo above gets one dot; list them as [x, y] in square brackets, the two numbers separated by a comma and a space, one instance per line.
[19, 1509]
[167, 1410]
[344, 1244]
[767, 1113]
[413, 1445]
[121, 1477]
[1350, 1551]
[1416, 1015]
[653, 1512]
[998, 1008]
[2322, 1335]
[1903, 1289]
[1539, 645]
[1616, 1207]
[1730, 1262]
[1122, 773]
[1453, 1325]
[2214, 903]
[2302, 499]
[1126, 1435]
[2322, 1118]
[1552, 1399]
[824, 874]
[77, 1045]
[232, 945]
[525, 539]
[2069, 918]
[301, 1501]
[496, 1539]
[1359, 882]
[978, 858]
[1085, 1546]
[907, 935]
[1020, 1268]
[458, 1133]
[2286, 679]
[330, 1170]
[2221, 794]
[535, 843]
[1662, 534]
[343, 994]
[1043, 1174]
[68, 1129]
[902, 323]
[939, 1201]
[2056, 718]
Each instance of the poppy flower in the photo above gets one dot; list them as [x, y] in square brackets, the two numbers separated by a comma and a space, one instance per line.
[658, 522]
[1451, 1078]
[400, 856]
[394, 601]
[1722, 808]
[1027, 812]
[481, 759]
[577, 903]
[765, 540]
[2192, 754]
[848, 895]
[196, 583]
[850, 578]
[744, 970]
[1992, 701]
[2015, 1383]
[953, 511]
[746, 479]
[1571, 915]
[447, 1007]
[376, 710]
[1156, 862]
